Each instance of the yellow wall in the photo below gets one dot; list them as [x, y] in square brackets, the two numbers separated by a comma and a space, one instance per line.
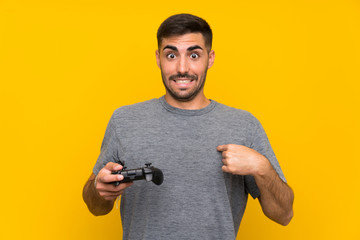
[66, 65]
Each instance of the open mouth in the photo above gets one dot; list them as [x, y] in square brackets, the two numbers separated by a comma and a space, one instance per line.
[183, 81]
[183, 84]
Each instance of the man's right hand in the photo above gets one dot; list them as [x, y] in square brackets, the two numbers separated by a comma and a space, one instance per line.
[104, 181]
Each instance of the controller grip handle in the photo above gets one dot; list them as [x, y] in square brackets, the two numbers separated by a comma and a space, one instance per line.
[158, 176]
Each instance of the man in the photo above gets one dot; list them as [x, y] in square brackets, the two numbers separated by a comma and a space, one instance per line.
[212, 156]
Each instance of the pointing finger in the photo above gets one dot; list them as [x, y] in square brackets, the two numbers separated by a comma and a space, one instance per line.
[222, 148]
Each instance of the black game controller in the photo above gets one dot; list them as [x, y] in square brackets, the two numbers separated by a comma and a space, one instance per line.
[148, 173]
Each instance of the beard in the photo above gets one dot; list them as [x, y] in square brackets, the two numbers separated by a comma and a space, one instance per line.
[183, 95]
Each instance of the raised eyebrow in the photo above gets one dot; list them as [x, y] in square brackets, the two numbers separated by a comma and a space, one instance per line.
[170, 47]
[194, 47]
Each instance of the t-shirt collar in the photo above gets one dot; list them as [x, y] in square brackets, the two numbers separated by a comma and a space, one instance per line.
[187, 112]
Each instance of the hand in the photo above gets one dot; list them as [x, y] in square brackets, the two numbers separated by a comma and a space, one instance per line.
[276, 197]
[241, 160]
[104, 180]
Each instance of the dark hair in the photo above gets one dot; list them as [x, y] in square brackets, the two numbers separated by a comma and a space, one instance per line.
[181, 24]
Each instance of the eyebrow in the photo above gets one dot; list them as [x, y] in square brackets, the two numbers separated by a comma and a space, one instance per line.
[188, 49]
[194, 47]
[170, 47]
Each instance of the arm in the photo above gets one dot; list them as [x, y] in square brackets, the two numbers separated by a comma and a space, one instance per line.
[276, 197]
[100, 198]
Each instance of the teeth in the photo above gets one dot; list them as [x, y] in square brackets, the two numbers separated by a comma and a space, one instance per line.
[182, 81]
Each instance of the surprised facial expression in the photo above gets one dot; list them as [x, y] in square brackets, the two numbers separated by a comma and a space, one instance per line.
[184, 61]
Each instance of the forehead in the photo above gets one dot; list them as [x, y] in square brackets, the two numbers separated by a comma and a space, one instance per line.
[184, 41]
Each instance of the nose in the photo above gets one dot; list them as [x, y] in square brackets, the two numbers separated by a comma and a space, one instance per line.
[183, 65]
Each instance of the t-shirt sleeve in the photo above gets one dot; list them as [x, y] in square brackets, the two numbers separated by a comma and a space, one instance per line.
[109, 147]
[261, 144]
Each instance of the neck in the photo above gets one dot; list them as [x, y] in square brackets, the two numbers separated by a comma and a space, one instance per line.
[198, 102]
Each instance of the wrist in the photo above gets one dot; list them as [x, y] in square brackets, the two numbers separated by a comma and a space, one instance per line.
[95, 180]
[95, 184]
[262, 166]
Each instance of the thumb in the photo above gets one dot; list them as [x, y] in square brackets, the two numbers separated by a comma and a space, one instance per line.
[111, 166]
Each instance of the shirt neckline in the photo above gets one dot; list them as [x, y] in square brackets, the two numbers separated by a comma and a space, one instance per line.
[187, 112]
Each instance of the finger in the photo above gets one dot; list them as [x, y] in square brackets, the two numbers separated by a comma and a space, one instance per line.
[105, 177]
[226, 154]
[225, 169]
[110, 189]
[225, 161]
[123, 186]
[111, 166]
[120, 188]
[109, 178]
[221, 148]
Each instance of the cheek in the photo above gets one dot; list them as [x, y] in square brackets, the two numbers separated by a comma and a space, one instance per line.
[200, 65]
[167, 69]
[200, 69]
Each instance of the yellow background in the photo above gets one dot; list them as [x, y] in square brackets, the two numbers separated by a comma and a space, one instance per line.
[65, 66]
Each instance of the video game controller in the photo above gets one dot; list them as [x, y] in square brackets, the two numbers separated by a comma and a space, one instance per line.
[148, 173]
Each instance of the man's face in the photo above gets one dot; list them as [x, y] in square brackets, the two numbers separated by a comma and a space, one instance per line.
[184, 61]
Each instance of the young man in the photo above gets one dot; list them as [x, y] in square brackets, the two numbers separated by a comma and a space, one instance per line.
[212, 155]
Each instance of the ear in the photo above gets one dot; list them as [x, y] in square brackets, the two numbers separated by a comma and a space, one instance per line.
[157, 58]
[211, 58]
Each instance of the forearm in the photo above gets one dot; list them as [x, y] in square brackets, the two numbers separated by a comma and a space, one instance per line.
[276, 197]
[96, 204]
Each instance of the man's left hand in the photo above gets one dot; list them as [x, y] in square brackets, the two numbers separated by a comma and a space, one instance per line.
[241, 160]
[276, 197]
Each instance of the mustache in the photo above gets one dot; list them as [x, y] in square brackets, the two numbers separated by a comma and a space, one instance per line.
[185, 75]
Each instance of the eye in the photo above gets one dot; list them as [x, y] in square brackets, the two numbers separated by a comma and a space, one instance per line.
[194, 55]
[170, 55]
